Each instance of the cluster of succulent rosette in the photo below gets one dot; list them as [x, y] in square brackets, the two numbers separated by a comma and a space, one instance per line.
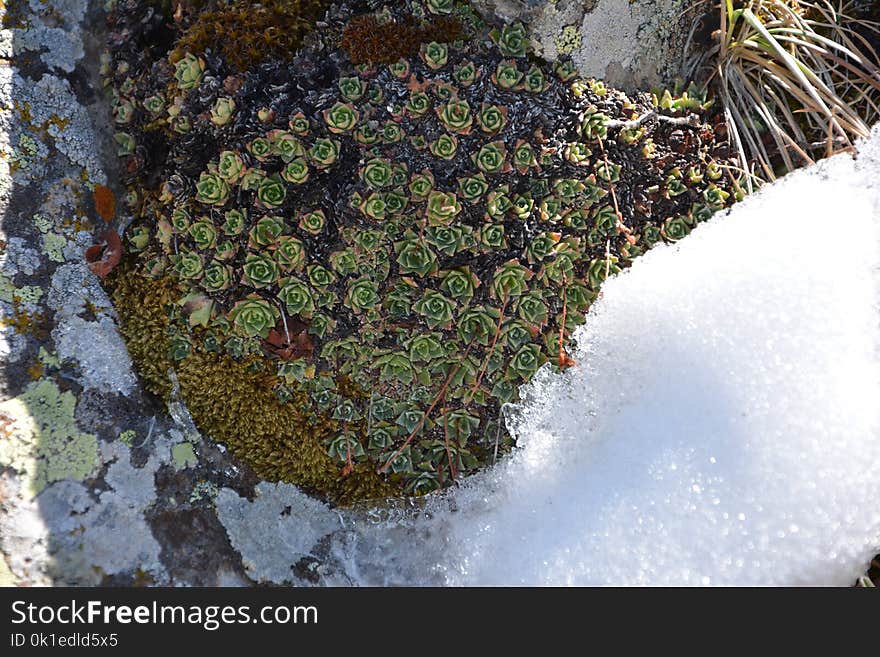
[418, 231]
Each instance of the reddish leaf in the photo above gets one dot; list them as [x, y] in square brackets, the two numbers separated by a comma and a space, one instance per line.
[103, 257]
[300, 345]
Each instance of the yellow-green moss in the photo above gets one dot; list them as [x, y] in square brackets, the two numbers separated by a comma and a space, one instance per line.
[233, 404]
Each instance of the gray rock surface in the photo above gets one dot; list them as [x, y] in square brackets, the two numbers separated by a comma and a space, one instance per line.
[631, 44]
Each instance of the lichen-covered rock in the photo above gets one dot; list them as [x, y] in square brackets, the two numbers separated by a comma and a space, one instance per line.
[352, 265]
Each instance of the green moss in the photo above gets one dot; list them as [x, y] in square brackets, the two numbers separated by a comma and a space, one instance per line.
[41, 440]
[233, 403]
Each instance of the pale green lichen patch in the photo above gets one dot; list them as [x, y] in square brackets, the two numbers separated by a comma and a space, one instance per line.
[47, 358]
[568, 40]
[29, 294]
[127, 437]
[39, 437]
[183, 456]
[203, 490]
[42, 223]
[7, 289]
[53, 246]
[27, 149]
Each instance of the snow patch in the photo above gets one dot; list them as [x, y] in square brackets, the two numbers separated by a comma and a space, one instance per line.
[722, 426]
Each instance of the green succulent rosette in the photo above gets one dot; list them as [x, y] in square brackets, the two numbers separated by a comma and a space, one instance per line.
[498, 202]
[324, 152]
[492, 158]
[204, 234]
[235, 222]
[188, 72]
[460, 284]
[456, 116]
[377, 173]
[230, 167]
[442, 208]
[290, 253]
[675, 228]
[374, 206]
[492, 118]
[155, 104]
[593, 124]
[362, 295]
[510, 280]
[444, 147]
[534, 81]
[473, 187]
[466, 73]
[285, 145]
[418, 104]
[492, 237]
[180, 221]
[477, 324]
[217, 277]
[260, 148]
[296, 171]
[541, 246]
[259, 271]
[608, 172]
[296, 297]
[507, 76]
[425, 347]
[352, 88]
[511, 40]
[299, 124]
[441, 7]
[342, 117]
[399, 69]
[524, 157]
[222, 111]
[446, 239]
[436, 309]
[271, 193]
[421, 185]
[225, 250]
[578, 153]
[435, 55]
[189, 265]
[265, 232]
[211, 189]
[313, 222]
[320, 276]
[526, 361]
[392, 132]
[414, 256]
[253, 317]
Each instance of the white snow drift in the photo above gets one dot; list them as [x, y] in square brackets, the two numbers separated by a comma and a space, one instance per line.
[723, 425]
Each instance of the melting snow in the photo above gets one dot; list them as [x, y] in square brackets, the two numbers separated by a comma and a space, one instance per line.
[724, 424]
